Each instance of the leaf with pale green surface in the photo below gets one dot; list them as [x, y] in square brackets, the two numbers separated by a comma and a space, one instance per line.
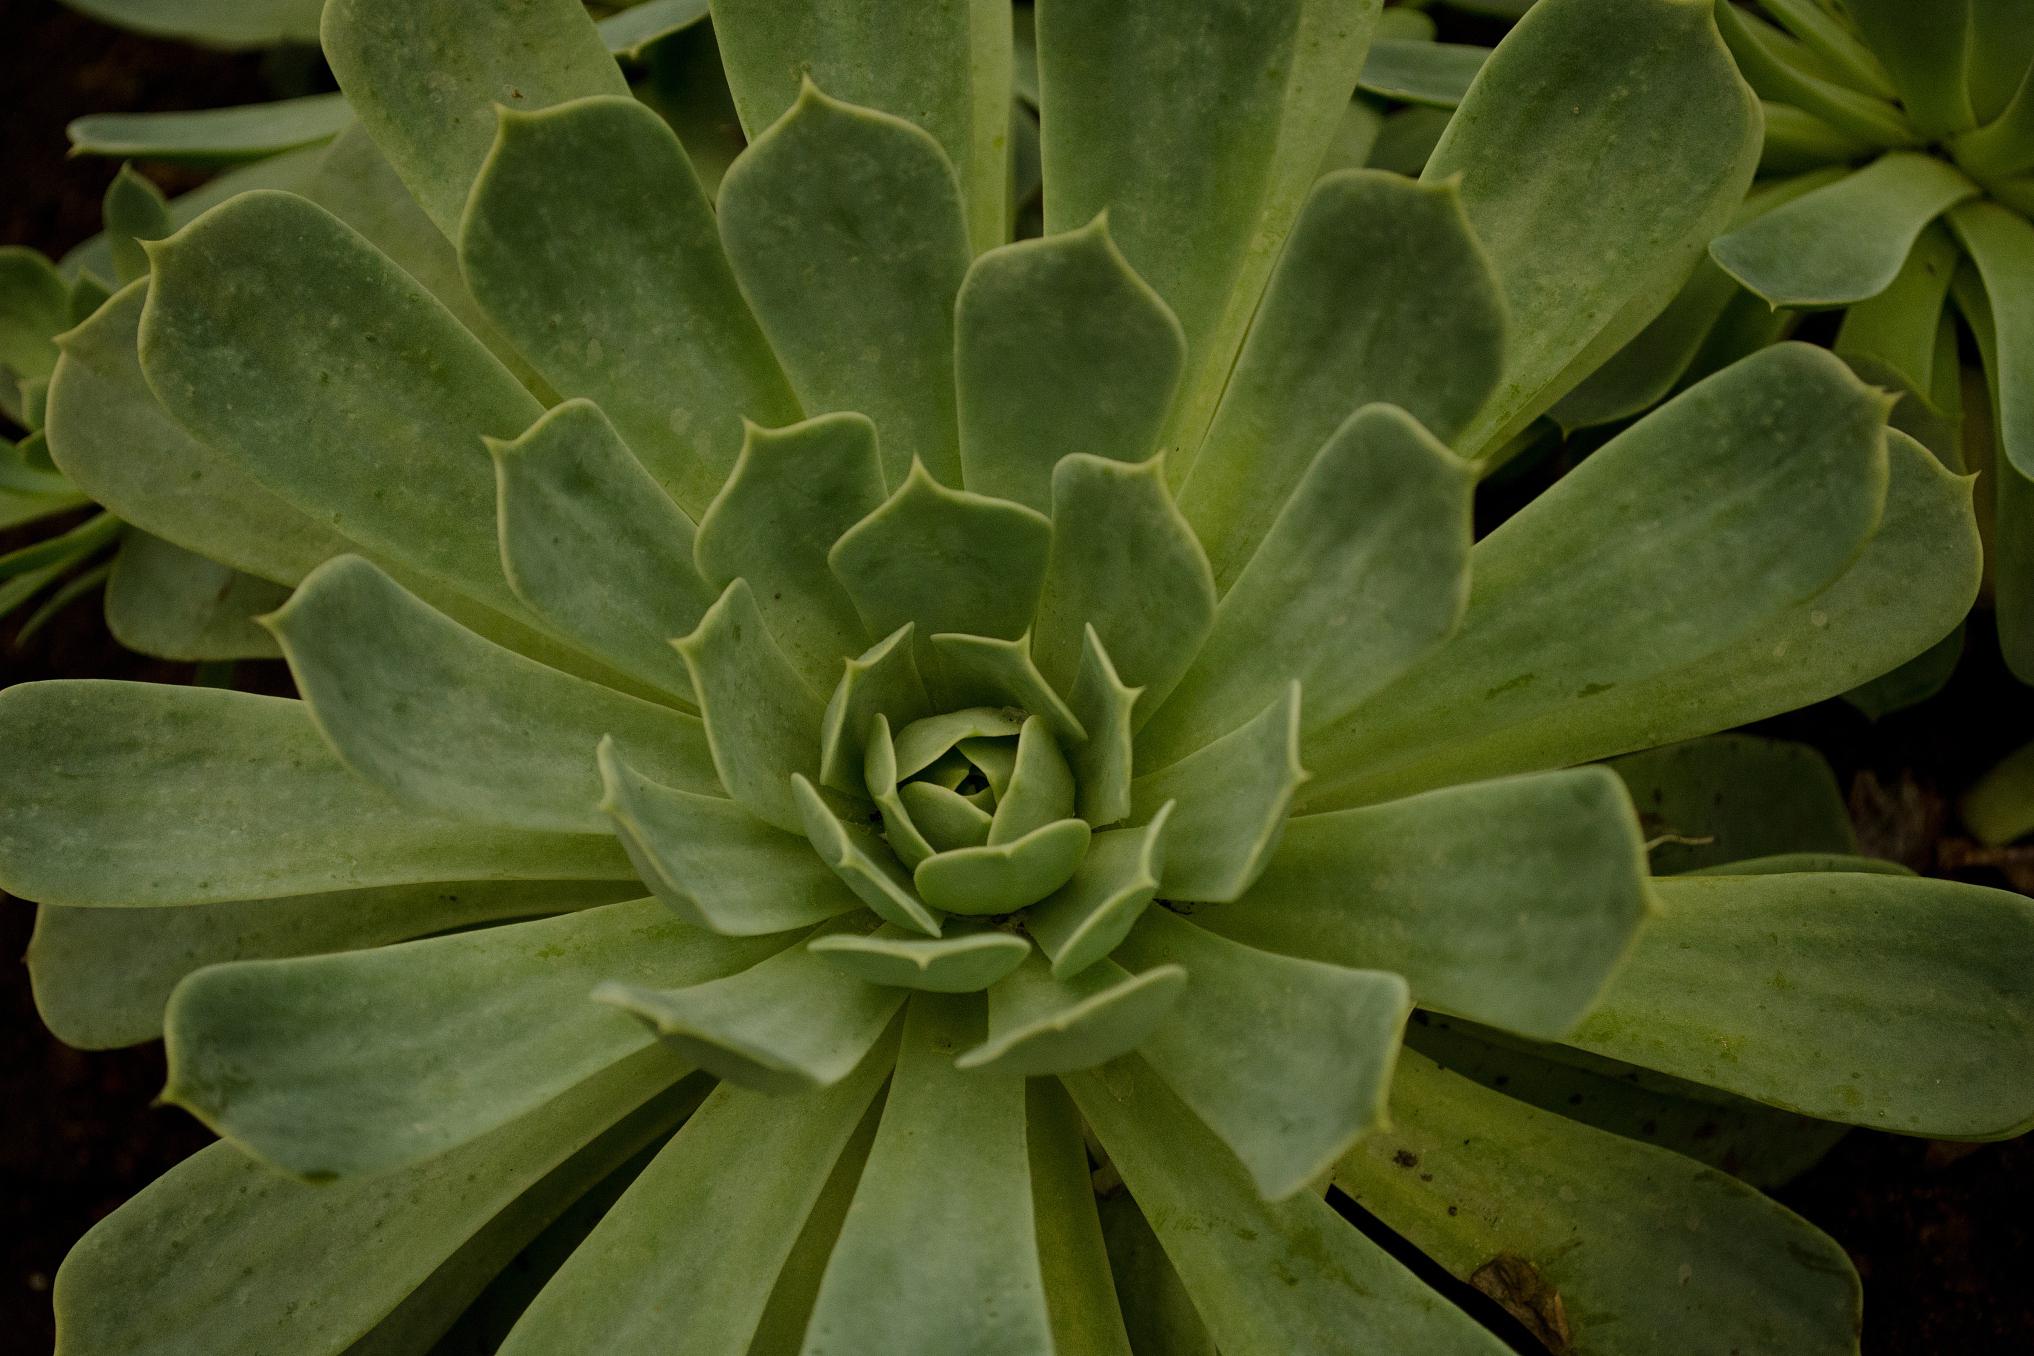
[1104, 761]
[1600, 1246]
[998, 878]
[131, 794]
[448, 721]
[1040, 1023]
[176, 604]
[1662, 171]
[212, 136]
[960, 962]
[1081, 922]
[1060, 348]
[1266, 1276]
[1383, 295]
[1288, 1060]
[882, 680]
[1731, 797]
[650, 324]
[1072, 1260]
[363, 1062]
[1463, 891]
[864, 861]
[949, 1163]
[853, 275]
[1824, 993]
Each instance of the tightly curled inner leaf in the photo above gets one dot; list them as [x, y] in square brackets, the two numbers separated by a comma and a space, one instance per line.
[1175, 753]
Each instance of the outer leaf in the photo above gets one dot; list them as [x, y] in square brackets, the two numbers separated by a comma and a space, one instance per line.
[225, 1254]
[1598, 1245]
[949, 1164]
[132, 794]
[992, 557]
[1680, 537]
[1845, 242]
[2001, 244]
[1114, 523]
[592, 545]
[1078, 1289]
[1824, 993]
[590, 243]
[1157, 1310]
[1365, 569]
[1557, 856]
[450, 722]
[712, 862]
[793, 492]
[1039, 1024]
[1421, 72]
[1233, 798]
[103, 976]
[762, 722]
[703, 1231]
[1266, 1276]
[782, 1328]
[2000, 807]
[365, 1061]
[1925, 54]
[425, 77]
[830, 259]
[287, 342]
[1732, 797]
[1383, 295]
[220, 23]
[1061, 348]
[946, 66]
[212, 136]
[1662, 151]
[789, 1024]
[1250, 93]
[164, 600]
[1289, 1061]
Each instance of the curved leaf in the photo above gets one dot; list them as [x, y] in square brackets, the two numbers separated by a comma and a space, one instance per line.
[1108, 892]
[1041, 1024]
[1732, 797]
[960, 962]
[212, 136]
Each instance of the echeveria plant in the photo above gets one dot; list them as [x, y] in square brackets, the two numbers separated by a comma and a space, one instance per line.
[1089, 732]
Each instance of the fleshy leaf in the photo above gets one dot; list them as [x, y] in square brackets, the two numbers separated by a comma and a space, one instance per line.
[1364, 570]
[947, 818]
[2001, 244]
[1569, 1229]
[1510, 902]
[1925, 53]
[213, 23]
[991, 554]
[1157, 1310]
[1662, 149]
[1102, 762]
[593, 546]
[1127, 96]
[1061, 349]
[1383, 296]
[1289, 1061]
[712, 862]
[212, 136]
[960, 962]
[2000, 807]
[366, 1061]
[1041, 785]
[223, 1253]
[1421, 72]
[281, 338]
[793, 492]
[1233, 797]
[1823, 993]
[879, 779]
[985, 671]
[923, 742]
[762, 721]
[882, 680]
[702, 1232]
[789, 1024]
[1079, 1290]
[591, 245]
[1732, 797]
[133, 794]
[1684, 534]
[946, 67]
[1288, 1275]
[949, 1163]
[1084, 919]
[166, 601]
[853, 275]
[103, 976]
[425, 77]
[1002, 877]
[1113, 523]
[861, 859]
[1845, 242]
[1042, 1025]
[453, 723]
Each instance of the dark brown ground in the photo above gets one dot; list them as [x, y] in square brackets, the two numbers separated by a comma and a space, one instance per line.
[1942, 1234]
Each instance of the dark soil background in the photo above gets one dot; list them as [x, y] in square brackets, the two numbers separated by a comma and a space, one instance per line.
[1943, 1234]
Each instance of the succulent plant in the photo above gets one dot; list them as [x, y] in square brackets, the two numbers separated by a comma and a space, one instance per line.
[1089, 732]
